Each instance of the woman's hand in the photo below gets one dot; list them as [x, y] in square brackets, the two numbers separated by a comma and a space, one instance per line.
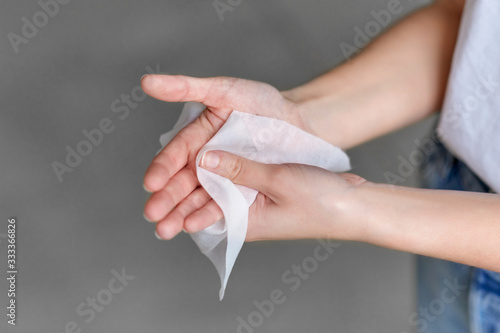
[301, 201]
[172, 173]
[294, 200]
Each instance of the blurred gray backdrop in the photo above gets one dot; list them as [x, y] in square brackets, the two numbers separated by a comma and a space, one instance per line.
[60, 74]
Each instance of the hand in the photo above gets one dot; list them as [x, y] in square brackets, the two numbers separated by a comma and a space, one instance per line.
[177, 195]
[294, 200]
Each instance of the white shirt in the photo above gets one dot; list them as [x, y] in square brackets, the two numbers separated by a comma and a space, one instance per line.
[470, 122]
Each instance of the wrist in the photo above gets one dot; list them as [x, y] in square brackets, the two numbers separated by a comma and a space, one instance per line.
[298, 95]
[348, 210]
[366, 210]
[329, 108]
[369, 210]
[315, 113]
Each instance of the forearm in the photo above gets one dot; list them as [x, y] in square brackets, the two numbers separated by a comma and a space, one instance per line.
[397, 80]
[453, 225]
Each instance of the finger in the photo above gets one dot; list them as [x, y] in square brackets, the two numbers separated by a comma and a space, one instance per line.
[162, 202]
[173, 223]
[183, 148]
[166, 164]
[214, 92]
[203, 217]
[239, 170]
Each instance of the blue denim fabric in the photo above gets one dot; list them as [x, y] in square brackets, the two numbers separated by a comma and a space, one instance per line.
[485, 302]
[454, 297]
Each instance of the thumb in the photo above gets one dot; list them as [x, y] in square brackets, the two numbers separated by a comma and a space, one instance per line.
[239, 170]
[215, 92]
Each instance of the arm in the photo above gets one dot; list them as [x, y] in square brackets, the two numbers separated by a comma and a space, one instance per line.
[398, 79]
[300, 201]
[452, 225]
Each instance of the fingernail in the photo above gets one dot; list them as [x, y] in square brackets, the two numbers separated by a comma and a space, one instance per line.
[210, 160]
[150, 81]
[142, 77]
[145, 188]
[157, 236]
[146, 218]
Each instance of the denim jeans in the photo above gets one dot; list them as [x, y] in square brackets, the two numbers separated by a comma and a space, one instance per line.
[453, 297]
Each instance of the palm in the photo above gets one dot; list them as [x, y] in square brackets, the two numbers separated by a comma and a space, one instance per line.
[172, 173]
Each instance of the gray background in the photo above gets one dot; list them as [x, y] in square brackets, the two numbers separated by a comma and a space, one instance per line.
[73, 233]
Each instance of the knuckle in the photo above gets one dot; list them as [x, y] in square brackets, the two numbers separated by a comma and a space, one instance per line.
[220, 89]
[198, 199]
[234, 168]
[166, 196]
[163, 159]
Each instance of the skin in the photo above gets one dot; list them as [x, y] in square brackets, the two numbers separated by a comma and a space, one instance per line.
[299, 201]
[367, 97]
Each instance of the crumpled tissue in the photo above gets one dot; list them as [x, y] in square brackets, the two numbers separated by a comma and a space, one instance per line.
[263, 139]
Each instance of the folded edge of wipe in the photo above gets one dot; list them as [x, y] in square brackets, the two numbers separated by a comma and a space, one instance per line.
[265, 140]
